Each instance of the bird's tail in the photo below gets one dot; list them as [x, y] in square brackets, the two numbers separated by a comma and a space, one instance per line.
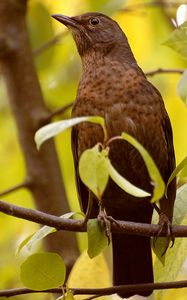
[132, 262]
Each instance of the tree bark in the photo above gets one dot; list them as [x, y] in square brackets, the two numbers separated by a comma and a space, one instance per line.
[29, 110]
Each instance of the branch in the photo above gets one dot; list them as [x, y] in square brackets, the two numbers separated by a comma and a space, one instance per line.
[163, 71]
[49, 43]
[41, 217]
[24, 184]
[136, 288]
[57, 112]
[59, 223]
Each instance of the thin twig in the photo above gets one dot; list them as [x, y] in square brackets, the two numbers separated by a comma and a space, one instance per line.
[57, 112]
[24, 184]
[135, 288]
[163, 71]
[49, 43]
[59, 223]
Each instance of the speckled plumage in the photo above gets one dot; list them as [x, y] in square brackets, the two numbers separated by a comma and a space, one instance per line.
[114, 87]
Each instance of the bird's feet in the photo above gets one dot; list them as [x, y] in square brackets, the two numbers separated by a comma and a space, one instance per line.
[166, 229]
[105, 222]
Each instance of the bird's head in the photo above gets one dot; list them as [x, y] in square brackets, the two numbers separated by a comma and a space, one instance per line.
[94, 31]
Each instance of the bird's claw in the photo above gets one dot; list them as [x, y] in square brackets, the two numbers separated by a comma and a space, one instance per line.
[104, 220]
[166, 228]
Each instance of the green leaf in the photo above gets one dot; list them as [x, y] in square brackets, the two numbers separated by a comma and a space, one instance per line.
[180, 207]
[174, 260]
[51, 130]
[97, 240]
[159, 247]
[42, 271]
[125, 184]
[178, 40]
[24, 243]
[182, 164]
[30, 241]
[182, 87]
[159, 185]
[61, 298]
[67, 296]
[176, 255]
[93, 170]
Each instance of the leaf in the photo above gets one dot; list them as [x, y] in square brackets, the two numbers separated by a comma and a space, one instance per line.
[159, 185]
[180, 207]
[86, 271]
[176, 255]
[69, 295]
[125, 184]
[182, 164]
[182, 87]
[51, 130]
[174, 260]
[93, 170]
[30, 241]
[36, 237]
[178, 40]
[42, 271]
[61, 298]
[97, 240]
[159, 246]
[24, 243]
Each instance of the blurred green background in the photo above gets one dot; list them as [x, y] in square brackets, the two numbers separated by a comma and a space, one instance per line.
[58, 69]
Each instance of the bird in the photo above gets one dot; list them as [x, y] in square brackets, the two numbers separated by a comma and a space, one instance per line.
[113, 86]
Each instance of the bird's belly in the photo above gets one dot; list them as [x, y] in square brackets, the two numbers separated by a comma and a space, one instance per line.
[121, 205]
[125, 158]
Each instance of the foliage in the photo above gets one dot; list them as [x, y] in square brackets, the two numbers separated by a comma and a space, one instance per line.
[95, 166]
[42, 271]
[93, 170]
[153, 171]
[97, 239]
[176, 255]
[30, 241]
[51, 130]
[58, 70]
[178, 40]
[177, 170]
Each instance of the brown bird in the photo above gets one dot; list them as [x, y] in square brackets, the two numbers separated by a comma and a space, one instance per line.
[113, 86]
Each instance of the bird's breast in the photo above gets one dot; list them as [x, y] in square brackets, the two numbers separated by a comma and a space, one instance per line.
[128, 103]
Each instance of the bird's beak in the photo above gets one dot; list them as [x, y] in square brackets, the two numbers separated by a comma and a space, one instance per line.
[67, 21]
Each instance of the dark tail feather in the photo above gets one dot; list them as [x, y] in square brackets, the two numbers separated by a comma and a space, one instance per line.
[132, 262]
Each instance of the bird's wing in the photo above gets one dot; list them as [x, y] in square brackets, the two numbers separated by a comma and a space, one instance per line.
[167, 203]
[81, 189]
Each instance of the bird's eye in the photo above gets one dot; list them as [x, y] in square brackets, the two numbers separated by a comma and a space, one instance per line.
[94, 21]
